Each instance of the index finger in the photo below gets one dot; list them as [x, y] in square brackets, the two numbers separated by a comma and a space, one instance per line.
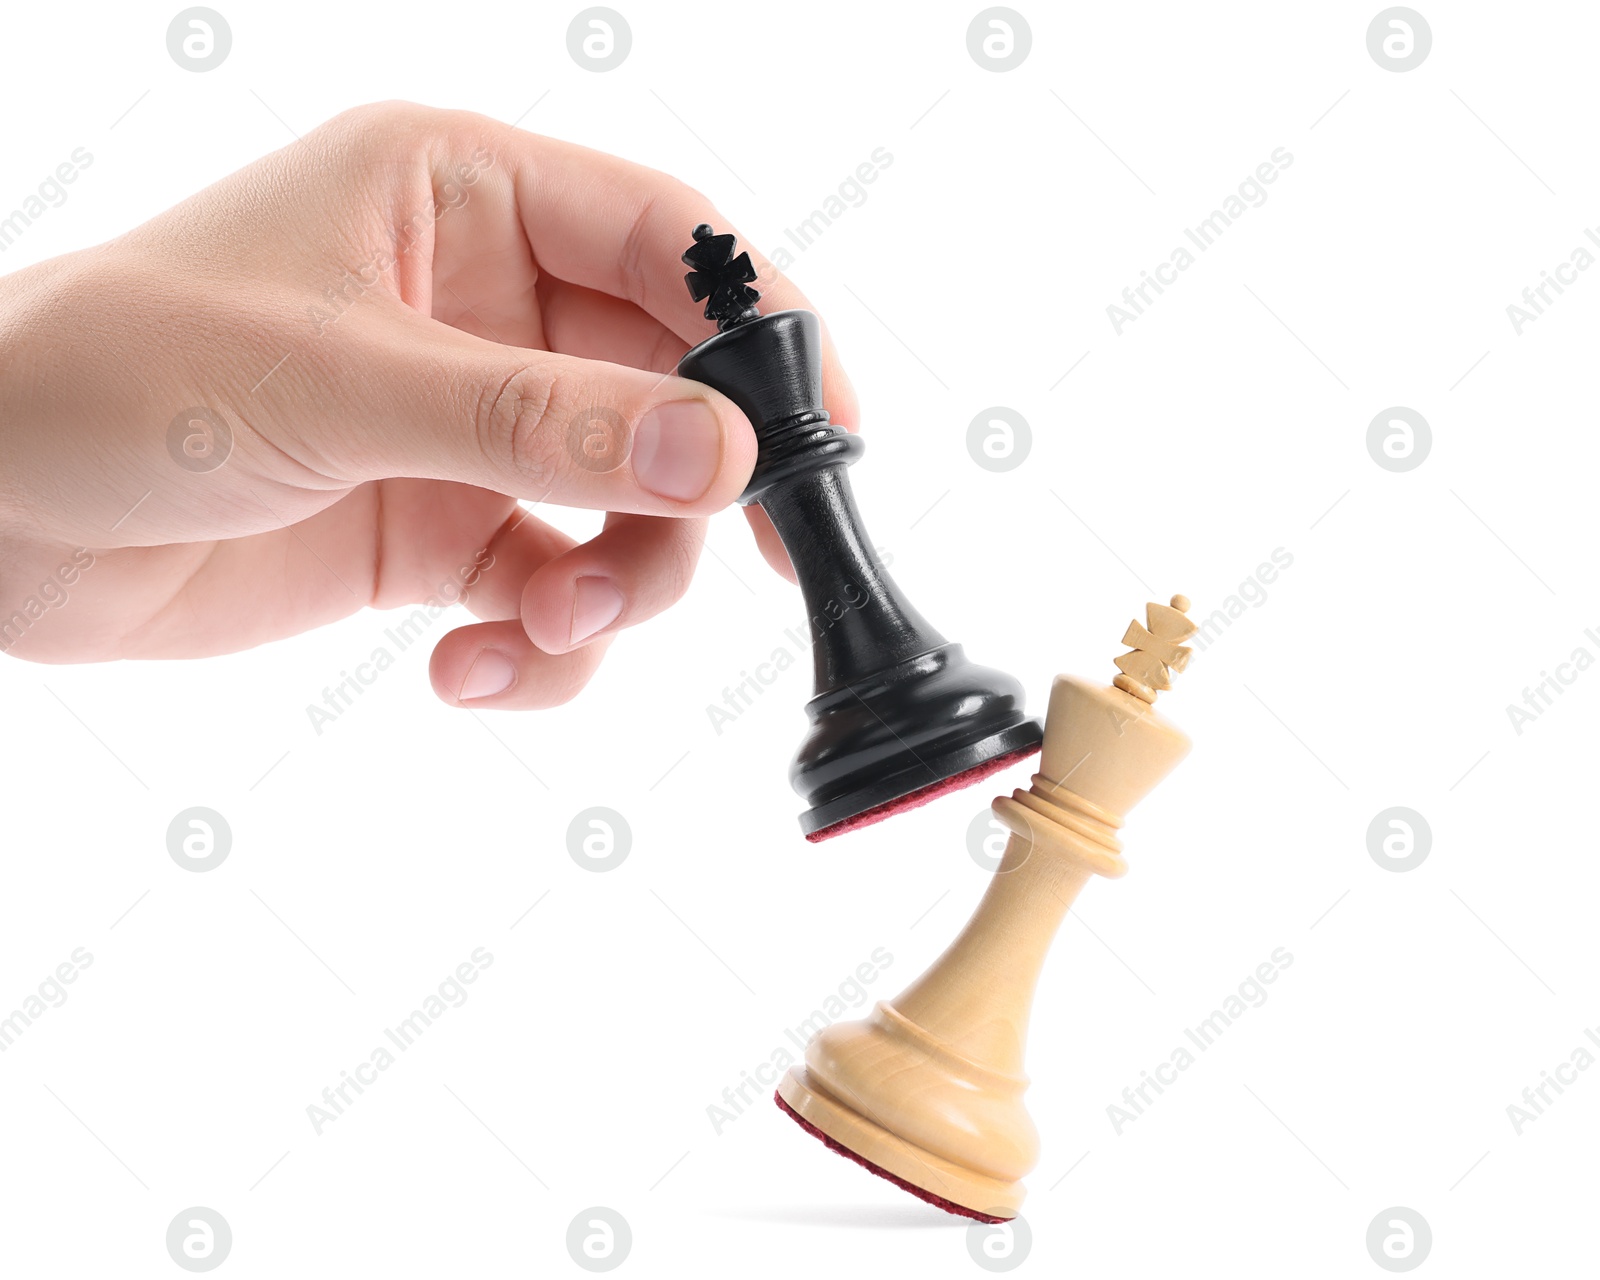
[605, 223]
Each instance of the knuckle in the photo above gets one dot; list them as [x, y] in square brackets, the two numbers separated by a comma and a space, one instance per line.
[398, 132]
[518, 427]
[634, 245]
[685, 558]
[668, 209]
[379, 123]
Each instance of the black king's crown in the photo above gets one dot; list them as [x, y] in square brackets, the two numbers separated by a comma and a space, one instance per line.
[897, 708]
[721, 278]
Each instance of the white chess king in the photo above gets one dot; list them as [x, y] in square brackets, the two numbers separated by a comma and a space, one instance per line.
[927, 1091]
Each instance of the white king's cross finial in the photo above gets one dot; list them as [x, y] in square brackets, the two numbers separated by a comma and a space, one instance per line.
[1156, 649]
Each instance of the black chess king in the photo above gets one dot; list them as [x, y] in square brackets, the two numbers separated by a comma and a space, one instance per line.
[898, 714]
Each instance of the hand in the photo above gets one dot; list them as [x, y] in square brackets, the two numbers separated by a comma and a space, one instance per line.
[323, 384]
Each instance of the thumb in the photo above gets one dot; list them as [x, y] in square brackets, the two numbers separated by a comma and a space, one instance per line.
[428, 401]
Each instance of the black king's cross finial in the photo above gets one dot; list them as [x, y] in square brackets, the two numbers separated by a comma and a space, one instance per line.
[722, 278]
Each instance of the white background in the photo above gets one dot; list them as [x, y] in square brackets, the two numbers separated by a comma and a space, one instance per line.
[1228, 421]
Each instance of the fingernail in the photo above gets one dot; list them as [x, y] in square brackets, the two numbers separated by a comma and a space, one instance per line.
[677, 449]
[596, 602]
[491, 672]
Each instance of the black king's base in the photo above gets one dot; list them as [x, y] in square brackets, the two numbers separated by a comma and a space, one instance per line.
[897, 708]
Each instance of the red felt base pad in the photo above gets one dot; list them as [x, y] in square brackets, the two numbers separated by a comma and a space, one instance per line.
[939, 1202]
[916, 799]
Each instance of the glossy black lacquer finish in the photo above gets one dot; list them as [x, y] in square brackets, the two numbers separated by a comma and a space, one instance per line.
[897, 707]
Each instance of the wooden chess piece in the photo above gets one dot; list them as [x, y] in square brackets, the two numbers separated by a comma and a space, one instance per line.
[927, 1091]
[899, 715]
